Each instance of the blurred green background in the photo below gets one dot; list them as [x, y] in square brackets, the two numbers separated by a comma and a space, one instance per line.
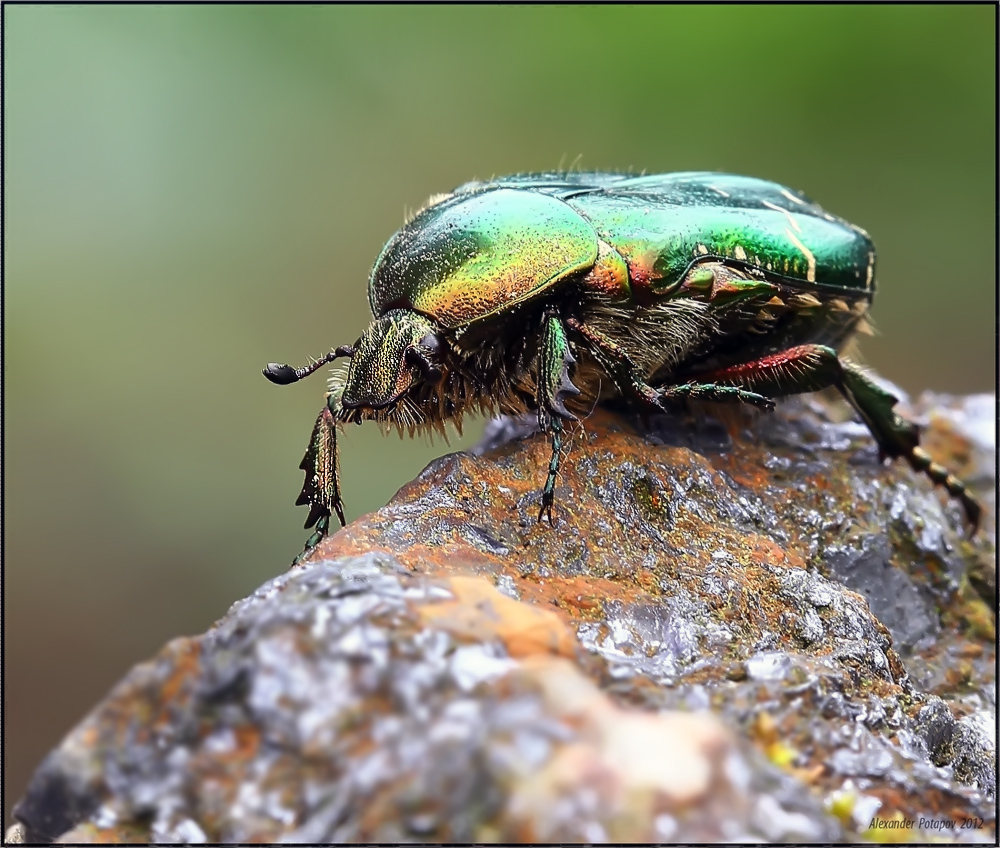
[191, 192]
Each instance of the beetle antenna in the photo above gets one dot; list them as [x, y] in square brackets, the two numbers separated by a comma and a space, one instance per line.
[283, 375]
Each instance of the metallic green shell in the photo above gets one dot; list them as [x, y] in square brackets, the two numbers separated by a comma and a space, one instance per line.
[472, 256]
[492, 245]
[662, 223]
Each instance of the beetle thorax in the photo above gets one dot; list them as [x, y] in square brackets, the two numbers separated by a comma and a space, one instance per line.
[473, 257]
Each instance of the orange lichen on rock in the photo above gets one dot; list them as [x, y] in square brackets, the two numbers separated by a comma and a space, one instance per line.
[479, 612]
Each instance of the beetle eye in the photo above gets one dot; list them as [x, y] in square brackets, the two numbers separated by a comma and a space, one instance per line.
[431, 343]
[418, 360]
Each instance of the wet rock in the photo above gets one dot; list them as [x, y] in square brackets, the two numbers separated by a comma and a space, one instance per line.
[767, 636]
[893, 596]
[351, 701]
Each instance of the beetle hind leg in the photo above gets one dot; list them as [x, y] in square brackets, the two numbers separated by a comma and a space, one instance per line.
[898, 437]
[809, 368]
[920, 460]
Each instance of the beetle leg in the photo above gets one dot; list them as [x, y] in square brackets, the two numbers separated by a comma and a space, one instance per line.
[714, 393]
[321, 489]
[806, 368]
[616, 363]
[898, 437]
[630, 381]
[554, 360]
[322, 529]
[809, 368]
[548, 492]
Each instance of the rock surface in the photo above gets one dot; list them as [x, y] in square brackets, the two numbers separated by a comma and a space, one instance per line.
[765, 638]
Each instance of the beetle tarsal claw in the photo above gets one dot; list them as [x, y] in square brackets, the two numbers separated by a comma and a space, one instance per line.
[546, 509]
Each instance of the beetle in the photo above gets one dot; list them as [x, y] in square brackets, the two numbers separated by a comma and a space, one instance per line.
[551, 292]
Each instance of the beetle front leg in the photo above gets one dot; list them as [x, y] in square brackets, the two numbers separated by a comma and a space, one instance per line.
[322, 530]
[321, 489]
[631, 383]
[554, 385]
[809, 368]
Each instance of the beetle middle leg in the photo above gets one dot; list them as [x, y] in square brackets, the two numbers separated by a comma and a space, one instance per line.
[631, 383]
[554, 385]
[809, 368]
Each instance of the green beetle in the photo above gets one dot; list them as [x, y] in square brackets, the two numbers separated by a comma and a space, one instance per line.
[551, 292]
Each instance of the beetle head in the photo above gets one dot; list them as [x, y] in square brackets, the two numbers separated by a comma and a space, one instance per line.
[395, 352]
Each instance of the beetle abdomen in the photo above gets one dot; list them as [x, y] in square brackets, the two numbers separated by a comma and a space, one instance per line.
[754, 223]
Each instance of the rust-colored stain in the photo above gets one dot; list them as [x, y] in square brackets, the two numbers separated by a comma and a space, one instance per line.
[748, 471]
[970, 650]
[187, 653]
[946, 445]
[247, 742]
[481, 613]
[124, 833]
[765, 550]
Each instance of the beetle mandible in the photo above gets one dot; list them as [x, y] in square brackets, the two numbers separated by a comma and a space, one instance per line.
[550, 292]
